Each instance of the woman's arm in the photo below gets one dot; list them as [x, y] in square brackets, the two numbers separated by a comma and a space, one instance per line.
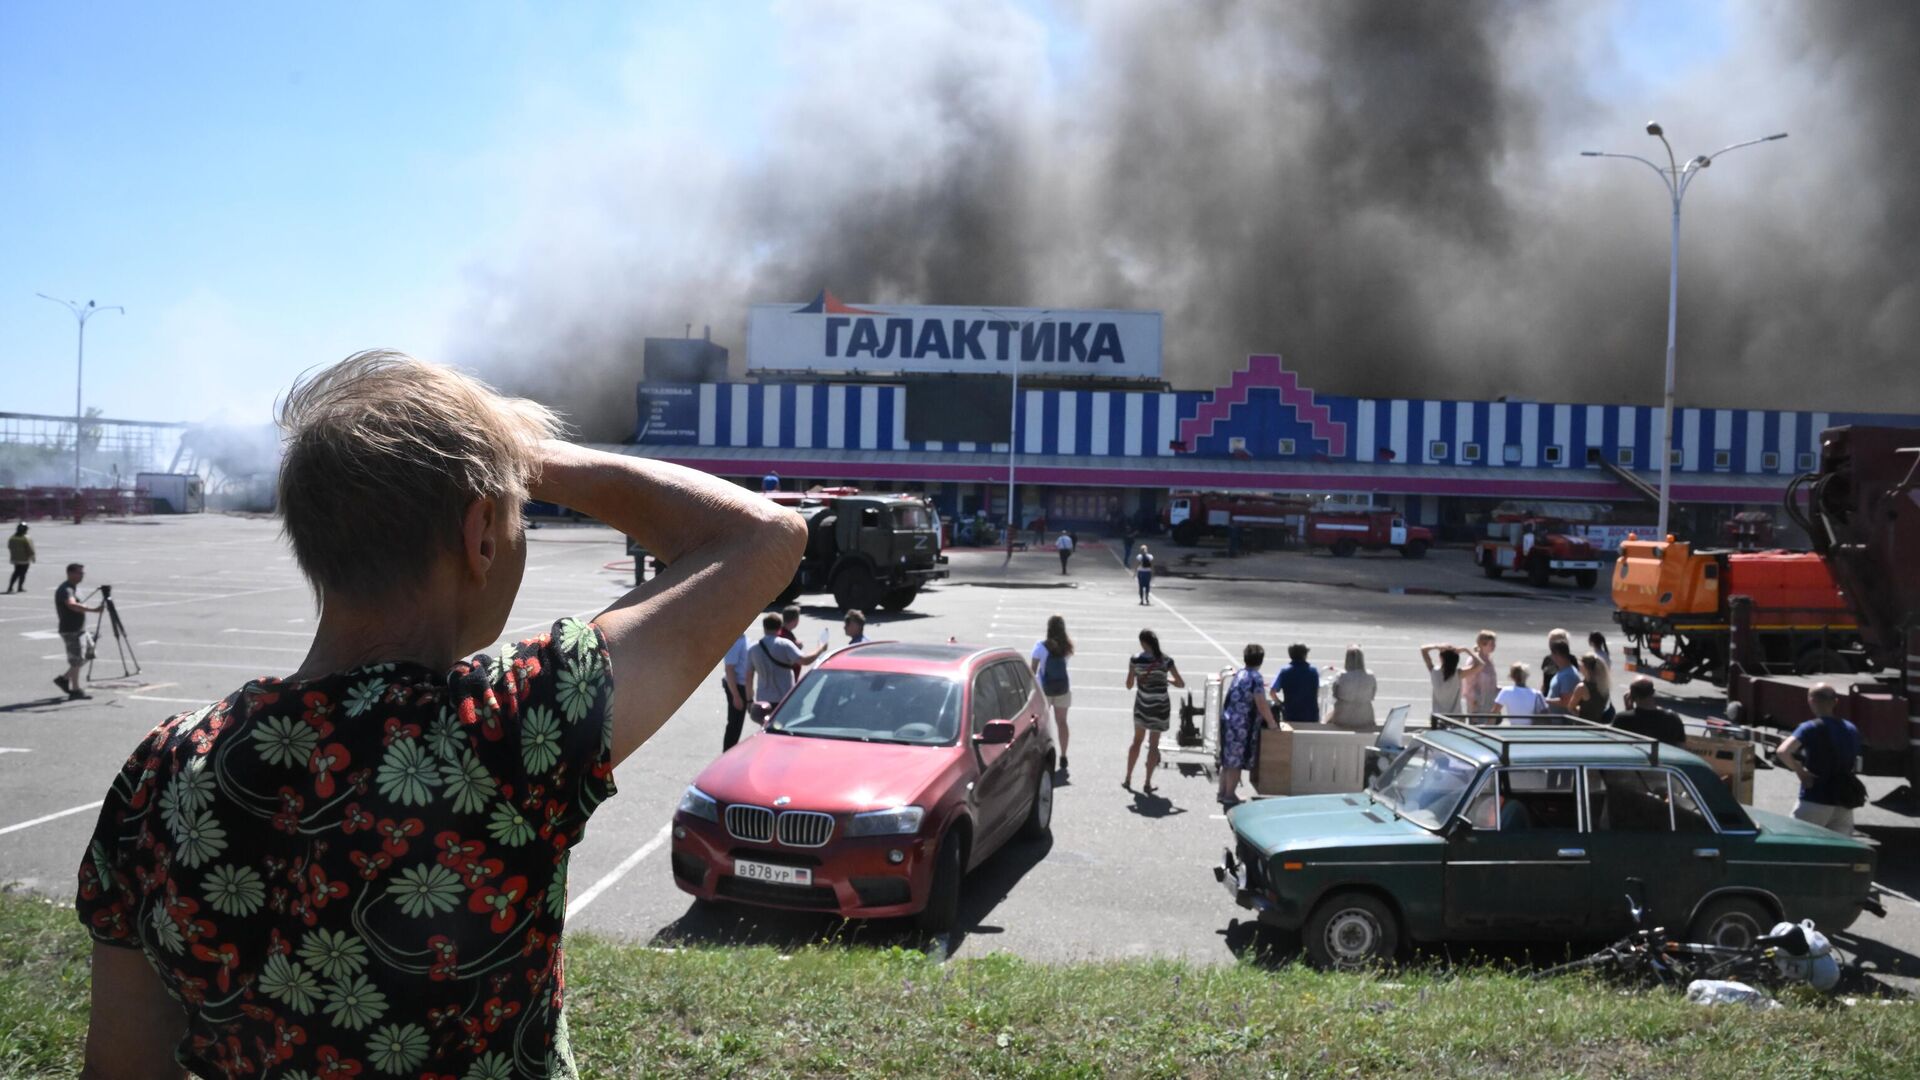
[727, 551]
[135, 1023]
[1129, 676]
[1266, 711]
[1426, 654]
[1173, 676]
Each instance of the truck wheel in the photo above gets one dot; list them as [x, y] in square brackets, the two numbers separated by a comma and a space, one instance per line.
[1815, 660]
[1343, 548]
[1586, 578]
[1186, 534]
[1351, 930]
[854, 587]
[899, 599]
[1537, 569]
[788, 594]
[943, 897]
[1490, 565]
[1415, 550]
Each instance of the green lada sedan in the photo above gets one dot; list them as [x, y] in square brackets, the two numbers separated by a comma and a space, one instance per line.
[1518, 833]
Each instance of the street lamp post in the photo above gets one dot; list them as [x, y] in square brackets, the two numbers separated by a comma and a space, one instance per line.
[1678, 178]
[81, 315]
[1013, 415]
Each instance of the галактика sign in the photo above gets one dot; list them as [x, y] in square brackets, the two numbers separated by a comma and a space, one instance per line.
[828, 335]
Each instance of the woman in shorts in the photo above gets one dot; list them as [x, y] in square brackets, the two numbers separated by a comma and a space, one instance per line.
[1148, 676]
[1050, 667]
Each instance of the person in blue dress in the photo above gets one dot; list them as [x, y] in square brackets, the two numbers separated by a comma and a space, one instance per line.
[1239, 732]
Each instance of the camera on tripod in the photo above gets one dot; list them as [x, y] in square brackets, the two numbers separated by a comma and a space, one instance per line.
[110, 615]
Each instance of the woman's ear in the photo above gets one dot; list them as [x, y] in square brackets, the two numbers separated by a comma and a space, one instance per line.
[479, 542]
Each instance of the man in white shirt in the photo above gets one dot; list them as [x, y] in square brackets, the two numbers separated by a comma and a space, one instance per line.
[734, 673]
[1064, 545]
[774, 663]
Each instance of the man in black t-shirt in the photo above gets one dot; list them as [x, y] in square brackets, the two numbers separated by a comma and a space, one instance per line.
[73, 630]
[1643, 717]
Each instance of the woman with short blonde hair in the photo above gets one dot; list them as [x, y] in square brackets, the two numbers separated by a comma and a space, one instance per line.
[363, 851]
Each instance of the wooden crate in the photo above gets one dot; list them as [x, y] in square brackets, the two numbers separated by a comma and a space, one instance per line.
[1311, 760]
[1731, 758]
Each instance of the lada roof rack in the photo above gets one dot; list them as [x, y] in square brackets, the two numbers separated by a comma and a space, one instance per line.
[1502, 739]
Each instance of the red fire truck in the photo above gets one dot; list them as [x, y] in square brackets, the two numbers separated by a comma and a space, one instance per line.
[1191, 515]
[1344, 530]
[1539, 547]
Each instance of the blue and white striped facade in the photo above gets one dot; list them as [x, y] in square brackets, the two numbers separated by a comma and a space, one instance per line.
[1100, 424]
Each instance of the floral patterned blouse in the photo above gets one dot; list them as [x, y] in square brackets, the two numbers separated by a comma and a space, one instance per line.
[364, 874]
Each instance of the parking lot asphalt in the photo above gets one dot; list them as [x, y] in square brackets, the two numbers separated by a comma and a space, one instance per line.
[209, 601]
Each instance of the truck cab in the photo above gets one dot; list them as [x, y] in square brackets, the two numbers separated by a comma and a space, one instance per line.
[869, 550]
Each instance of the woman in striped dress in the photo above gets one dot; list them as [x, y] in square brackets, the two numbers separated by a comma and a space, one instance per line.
[1148, 675]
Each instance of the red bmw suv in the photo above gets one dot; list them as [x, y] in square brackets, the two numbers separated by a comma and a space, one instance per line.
[887, 773]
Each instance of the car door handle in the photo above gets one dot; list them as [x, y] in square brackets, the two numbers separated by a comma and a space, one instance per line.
[1573, 853]
[1706, 853]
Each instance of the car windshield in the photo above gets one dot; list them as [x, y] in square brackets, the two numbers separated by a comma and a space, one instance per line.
[872, 706]
[1423, 785]
[912, 517]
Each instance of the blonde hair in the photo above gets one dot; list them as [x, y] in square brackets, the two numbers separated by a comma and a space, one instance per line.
[1486, 636]
[1356, 660]
[1518, 673]
[383, 455]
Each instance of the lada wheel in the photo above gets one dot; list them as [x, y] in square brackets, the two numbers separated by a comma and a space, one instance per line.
[1490, 566]
[899, 599]
[1415, 550]
[1732, 922]
[1350, 930]
[855, 587]
[1040, 815]
[943, 899]
[1343, 548]
[1586, 579]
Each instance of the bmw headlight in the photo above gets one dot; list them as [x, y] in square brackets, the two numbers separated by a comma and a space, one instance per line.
[699, 804]
[895, 822]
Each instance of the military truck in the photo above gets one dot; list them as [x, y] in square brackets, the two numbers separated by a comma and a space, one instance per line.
[868, 550]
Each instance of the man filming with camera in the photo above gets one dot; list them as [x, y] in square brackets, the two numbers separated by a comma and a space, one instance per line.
[73, 630]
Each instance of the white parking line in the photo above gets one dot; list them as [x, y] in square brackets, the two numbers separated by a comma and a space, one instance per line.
[222, 646]
[171, 700]
[95, 805]
[14, 750]
[593, 891]
[1175, 612]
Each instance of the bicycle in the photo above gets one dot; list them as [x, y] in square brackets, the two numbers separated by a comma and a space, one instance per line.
[1792, 953]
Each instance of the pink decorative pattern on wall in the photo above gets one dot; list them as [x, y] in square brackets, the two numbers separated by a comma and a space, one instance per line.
[1265, 372]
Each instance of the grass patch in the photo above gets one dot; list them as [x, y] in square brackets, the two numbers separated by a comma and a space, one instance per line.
[845, 1013]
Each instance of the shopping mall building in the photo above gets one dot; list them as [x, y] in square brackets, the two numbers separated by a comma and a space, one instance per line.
[920, 399]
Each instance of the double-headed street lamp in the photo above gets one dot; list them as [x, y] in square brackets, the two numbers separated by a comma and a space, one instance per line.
[82, 314]
[1678, 179]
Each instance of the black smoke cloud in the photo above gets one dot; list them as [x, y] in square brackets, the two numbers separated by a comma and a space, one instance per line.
[1387, 193]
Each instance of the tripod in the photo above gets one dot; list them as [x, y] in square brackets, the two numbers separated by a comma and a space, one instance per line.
[109, 614]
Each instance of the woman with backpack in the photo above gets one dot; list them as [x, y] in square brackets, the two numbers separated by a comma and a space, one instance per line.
[1148, 676]
[1050, 667]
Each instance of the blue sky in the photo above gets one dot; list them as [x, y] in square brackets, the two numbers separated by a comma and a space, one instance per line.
[267, 187]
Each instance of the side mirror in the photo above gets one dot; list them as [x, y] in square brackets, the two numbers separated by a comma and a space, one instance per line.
[996, 733]
[760, 711]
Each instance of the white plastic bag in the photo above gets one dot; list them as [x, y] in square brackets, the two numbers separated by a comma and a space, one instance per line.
[1720, 992]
